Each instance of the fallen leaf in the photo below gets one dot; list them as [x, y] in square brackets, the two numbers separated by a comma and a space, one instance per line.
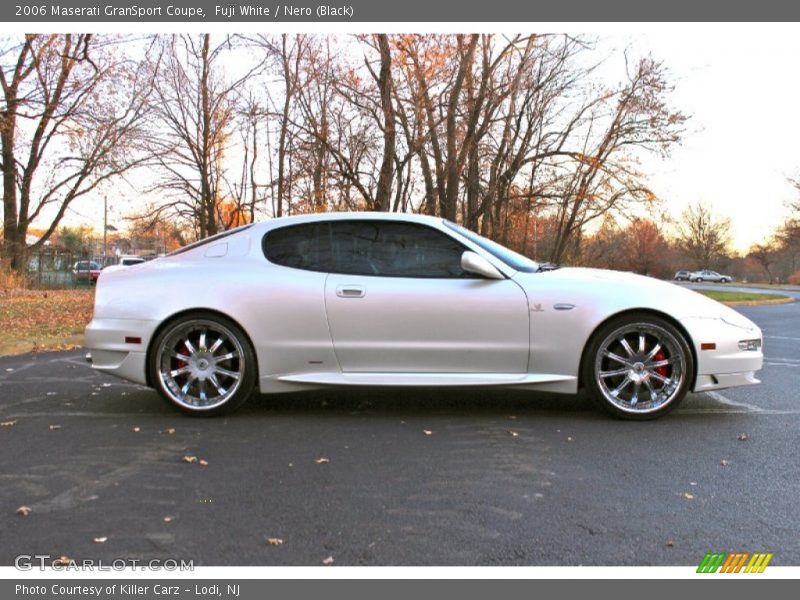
[328, 561]
[167, 519]
[169, 431]
[190, 459]
[274, 541]
[62, 561]
[427, 432]
[670, 543]
[137, 429]
[512, 417]
[743, 437]
[24, 511]
[54, 427]
[688, 496]
[203, 463]
[8, 423]
[100, 540]
[724, 462]
[512, 433]
[322, 460]
[569, 439]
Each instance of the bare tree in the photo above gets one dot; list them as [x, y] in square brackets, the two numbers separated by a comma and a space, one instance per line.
[73, 110]
[195, 106]
[603, 179]
[644, 247]
[766, 255]
[701, 236]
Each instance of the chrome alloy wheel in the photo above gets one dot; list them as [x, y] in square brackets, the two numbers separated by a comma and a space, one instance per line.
[200, 364]
[640, 368]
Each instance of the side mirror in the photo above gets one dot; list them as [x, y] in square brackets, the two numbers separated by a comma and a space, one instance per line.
[475, 263]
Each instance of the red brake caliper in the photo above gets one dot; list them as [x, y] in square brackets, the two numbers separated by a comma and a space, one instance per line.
[657, 358]
[179, 364]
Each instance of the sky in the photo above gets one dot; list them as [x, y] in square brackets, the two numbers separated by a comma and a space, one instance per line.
[743, 141]
[740, 86]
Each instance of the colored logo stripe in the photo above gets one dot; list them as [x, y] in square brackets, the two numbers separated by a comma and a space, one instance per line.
[734, 562]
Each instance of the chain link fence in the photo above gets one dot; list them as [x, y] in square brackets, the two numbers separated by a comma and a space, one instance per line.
[61, 270]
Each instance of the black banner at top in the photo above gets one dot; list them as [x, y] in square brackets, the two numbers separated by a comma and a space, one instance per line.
[360, 11]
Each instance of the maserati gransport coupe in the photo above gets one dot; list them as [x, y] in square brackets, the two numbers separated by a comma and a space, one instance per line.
[377, 299]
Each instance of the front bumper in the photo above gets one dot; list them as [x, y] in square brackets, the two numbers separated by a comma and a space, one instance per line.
[113, 352]
[725, 365]
[706, 383]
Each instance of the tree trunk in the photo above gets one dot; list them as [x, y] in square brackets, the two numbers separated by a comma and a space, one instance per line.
[384, 189]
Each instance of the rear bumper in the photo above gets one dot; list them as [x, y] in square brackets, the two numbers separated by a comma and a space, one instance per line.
[111, 353]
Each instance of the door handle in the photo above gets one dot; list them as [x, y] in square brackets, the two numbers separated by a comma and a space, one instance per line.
[351, 291]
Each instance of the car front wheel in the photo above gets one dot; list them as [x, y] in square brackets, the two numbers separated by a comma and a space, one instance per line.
[203, 365]
[638, 367]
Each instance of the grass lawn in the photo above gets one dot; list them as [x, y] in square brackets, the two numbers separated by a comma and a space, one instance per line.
[35, 320]
[723, 296]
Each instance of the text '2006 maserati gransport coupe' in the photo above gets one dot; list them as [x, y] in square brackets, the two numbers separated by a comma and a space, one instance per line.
[379, 299]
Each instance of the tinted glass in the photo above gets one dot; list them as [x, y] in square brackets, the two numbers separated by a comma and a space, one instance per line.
[304, 246]
[394, 249]
[513, 259]
[208, 240]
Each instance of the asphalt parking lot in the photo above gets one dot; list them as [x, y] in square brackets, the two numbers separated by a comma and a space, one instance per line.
[408, 477]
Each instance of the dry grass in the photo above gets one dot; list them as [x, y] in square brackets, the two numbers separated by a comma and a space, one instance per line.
[10, 280]
[36, 320]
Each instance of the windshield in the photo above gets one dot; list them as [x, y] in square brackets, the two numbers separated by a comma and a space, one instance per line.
[513, 259]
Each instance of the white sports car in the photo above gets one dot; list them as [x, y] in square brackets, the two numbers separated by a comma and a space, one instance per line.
[374, 299]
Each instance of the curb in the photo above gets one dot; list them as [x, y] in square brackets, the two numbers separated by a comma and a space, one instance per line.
[758, 302]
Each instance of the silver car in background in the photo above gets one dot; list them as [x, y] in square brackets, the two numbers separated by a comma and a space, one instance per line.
[706, 275]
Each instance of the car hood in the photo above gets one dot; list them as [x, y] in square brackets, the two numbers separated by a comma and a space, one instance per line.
[618, 291]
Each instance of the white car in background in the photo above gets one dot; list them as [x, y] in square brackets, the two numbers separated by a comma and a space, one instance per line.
[382, 299]
[124, 262]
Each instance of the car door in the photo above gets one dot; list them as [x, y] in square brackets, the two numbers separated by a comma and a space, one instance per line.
[398, 302]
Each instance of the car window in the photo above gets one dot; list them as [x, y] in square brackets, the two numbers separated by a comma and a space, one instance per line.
[515, 260]
[364, 247]
[208, 240]
[394, 249]
[305, 246]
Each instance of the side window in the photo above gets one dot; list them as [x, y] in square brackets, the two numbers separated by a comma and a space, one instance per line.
[299, 247]
[394, 249]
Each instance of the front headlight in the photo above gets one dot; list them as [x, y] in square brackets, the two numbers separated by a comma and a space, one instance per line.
[750, 345]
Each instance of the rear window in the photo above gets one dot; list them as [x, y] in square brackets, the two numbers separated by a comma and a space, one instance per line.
[208, 240]
[306, 246]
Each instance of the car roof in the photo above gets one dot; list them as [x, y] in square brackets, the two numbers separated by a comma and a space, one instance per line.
[349, 216]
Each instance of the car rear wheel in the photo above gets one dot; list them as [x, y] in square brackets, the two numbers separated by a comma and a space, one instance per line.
[638, 367]
[203, 365]
[699, 280]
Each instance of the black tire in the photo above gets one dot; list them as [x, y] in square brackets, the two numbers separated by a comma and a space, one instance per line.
[724, 280]
[699, 280]
[647, 375]
[226, 368]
